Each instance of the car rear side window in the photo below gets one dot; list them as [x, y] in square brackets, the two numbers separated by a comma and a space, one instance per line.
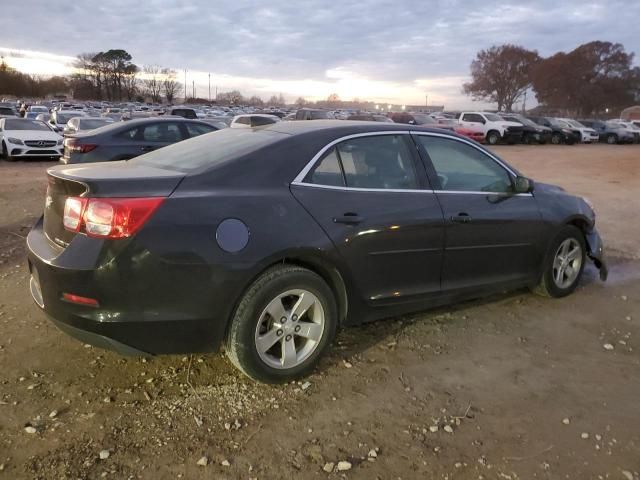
[381, 162]
[196, 129]
[463, 168]
[327, 171]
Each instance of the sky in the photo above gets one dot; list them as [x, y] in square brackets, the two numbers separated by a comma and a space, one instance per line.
[387, 51]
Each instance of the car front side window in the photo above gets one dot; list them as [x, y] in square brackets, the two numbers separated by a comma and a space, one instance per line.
[463, 168]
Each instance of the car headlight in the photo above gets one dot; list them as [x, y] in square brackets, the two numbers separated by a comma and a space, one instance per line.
[15, 141]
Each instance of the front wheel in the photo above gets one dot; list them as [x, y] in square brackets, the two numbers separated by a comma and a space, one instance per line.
[283, 324]
[493, 138]
[556, 139]
[612, 139]
[564, 264]
[5, 153]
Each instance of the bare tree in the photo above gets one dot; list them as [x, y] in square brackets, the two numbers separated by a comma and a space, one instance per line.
[301, 102]
[170, 86]
[152, 82]
[501, 74]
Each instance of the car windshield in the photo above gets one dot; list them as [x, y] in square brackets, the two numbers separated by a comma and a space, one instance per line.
[559, 123]
[492, 118]
[613, 125]
[423, 119]
[522, 120]
[91, 123]
[25, 125]
[209, 150]
[63, 118]
[575, 123]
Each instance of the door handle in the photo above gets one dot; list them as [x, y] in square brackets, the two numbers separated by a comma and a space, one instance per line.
[462, 217]
[148, 148]
[349, 218]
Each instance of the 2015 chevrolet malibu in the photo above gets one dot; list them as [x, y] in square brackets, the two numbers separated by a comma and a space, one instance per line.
[266, 240]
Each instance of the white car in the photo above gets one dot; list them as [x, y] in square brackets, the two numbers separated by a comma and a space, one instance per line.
[253, 120]
[589, 135]
[494, 127]
[59, 118]
[630, 127]
[21, 137]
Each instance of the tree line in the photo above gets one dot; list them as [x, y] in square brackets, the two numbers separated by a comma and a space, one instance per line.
[593, 79]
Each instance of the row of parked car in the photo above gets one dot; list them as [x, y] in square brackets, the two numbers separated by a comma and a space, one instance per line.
[78, 134]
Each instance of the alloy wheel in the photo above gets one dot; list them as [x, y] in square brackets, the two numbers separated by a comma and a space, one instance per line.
[290, 329]
[567, 263]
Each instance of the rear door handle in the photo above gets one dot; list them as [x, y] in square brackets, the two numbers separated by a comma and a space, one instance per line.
[461, 218]
[349, 218]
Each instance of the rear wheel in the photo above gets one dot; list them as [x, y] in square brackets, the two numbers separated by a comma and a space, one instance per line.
[556, 139]
[283, 324]
[564, 264]
[612, 139]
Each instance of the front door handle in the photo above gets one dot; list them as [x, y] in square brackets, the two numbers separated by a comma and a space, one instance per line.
[349, 218]
[462, 217]
[148, 148]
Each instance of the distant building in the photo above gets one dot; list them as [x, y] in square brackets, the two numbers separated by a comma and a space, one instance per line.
[631, 113]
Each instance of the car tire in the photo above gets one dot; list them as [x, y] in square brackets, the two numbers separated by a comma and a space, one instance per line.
[612, 139]
[556, 139]
[493, 137]
[253, 327]
[5, 153]
[563, 268]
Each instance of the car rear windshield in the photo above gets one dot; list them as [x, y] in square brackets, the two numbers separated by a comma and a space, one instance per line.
[319, 115]
[209, 150]
[25, 125]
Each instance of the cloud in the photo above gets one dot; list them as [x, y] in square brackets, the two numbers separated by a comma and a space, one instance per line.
[387, 50]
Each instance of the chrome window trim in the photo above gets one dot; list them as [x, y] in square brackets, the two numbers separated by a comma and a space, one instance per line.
[299, 180]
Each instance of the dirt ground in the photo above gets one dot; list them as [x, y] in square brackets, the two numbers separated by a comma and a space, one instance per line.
[511, 387]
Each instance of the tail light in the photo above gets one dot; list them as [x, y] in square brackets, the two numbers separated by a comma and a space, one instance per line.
[74, 145]
[108, 217]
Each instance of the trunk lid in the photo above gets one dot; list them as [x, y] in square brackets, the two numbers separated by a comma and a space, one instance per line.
[112, 180]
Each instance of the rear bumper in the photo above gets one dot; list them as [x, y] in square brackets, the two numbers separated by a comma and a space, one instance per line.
[153, 310]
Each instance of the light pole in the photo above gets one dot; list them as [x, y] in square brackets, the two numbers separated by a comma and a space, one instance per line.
[209, 87]
[185, 85]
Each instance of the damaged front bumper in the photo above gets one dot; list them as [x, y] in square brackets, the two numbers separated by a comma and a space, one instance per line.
[596, 252]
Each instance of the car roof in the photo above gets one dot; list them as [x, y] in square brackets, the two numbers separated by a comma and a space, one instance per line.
[341, 126]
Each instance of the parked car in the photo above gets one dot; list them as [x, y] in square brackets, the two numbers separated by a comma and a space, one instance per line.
[79, 124]
[560, 131]
[22, 137]
[494, 128]
[531, 131]
[366, 117]
[311, 114]
[125, 140]
[629, 127]
[253, 120]
[610, 132]
[474, 134]
[587, 134]
[59, 119]
[8, 112]
[175, 251]
[37, 109]
[184, 112]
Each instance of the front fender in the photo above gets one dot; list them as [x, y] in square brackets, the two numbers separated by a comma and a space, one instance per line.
[595, 252]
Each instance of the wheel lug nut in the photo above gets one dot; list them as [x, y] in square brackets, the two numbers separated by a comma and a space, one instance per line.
[294, 318]
[279, 333]
[283, 320]
[297, 328]
[287, 338]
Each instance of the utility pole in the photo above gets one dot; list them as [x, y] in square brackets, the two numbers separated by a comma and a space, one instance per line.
[193, 89]
[185, 85]
[209, 87]
[426, 100]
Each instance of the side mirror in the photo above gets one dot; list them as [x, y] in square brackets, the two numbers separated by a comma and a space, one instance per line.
[523, 185]
[483, 121]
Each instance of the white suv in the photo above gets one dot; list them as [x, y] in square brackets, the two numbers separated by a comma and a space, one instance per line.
[493, 126]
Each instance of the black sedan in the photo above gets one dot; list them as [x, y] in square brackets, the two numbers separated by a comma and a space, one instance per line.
[125, 140]
[267, 240]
